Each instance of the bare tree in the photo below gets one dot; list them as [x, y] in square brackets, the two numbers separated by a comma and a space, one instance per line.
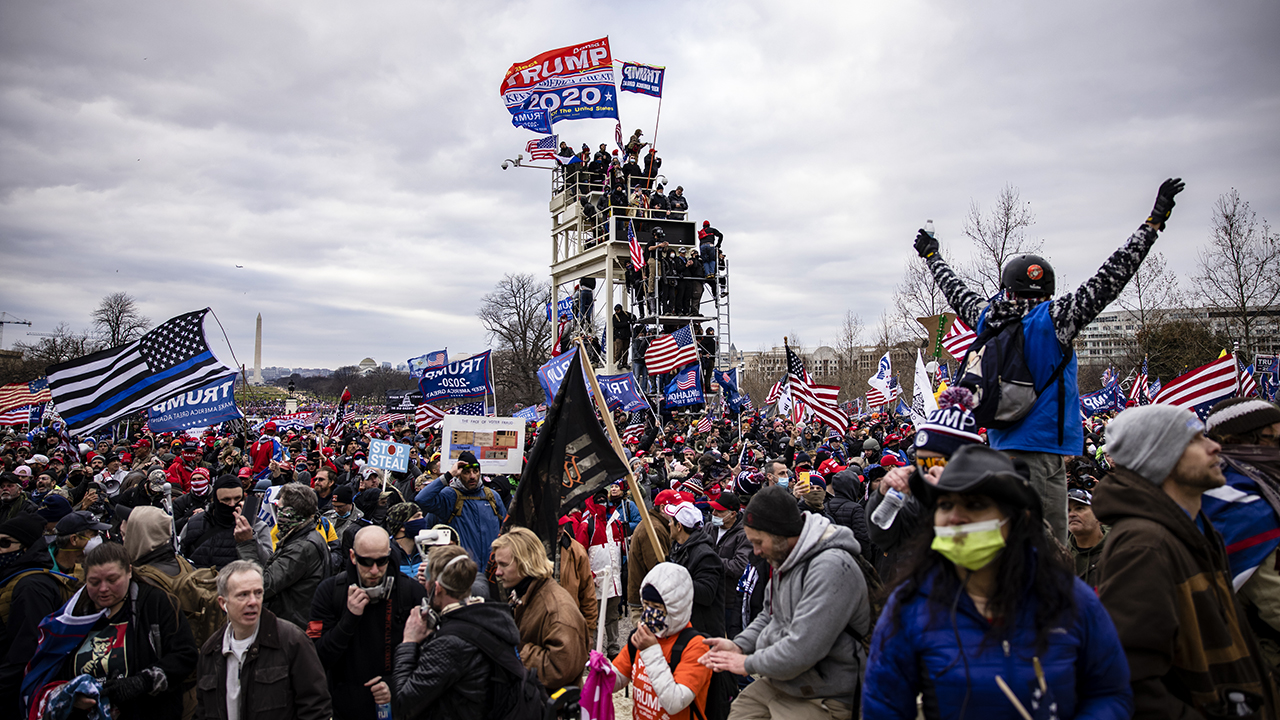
[917, 296]
[848, 348]
[61, 345]
[998, 236]
[515, 316]
[118, 321]
[1240, 267]
[1153, 292]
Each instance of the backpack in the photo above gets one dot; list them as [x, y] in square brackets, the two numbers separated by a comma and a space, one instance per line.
[875, 590]
[67, 586]
[526, 698]
[995, 371]
[721, 690]
[196, 591]
[462, 499]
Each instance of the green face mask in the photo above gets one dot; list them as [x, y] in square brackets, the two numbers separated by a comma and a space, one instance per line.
[972, 546]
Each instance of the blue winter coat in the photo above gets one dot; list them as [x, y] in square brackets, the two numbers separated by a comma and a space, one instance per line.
[479, 522]
[1084, 664]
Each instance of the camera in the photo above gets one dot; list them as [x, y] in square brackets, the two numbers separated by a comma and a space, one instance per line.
[433, 537]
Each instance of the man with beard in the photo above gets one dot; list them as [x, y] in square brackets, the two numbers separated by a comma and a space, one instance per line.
[460, 500]
[1163, 574]
[816, 589]
[1247, 510]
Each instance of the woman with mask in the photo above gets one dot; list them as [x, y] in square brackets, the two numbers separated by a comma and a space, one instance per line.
[660, 660]
[990, 613]
[115, 637]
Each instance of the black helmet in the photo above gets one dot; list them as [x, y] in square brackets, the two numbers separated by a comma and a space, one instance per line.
[1027, 275]
[658, 233]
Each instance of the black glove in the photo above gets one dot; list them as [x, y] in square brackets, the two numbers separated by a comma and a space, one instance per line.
[127, 688]
[1164, 200]
[927, 245]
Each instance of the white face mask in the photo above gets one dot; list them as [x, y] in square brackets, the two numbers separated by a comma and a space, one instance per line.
[717, 521]
[94, 542]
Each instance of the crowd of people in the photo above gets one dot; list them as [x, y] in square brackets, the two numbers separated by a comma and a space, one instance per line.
[762, 567]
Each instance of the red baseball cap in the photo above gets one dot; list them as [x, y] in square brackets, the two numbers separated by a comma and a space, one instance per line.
[891, 461]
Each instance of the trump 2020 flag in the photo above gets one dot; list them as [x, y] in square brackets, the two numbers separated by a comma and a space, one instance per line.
[94, 391]
[571, 460]
[644, 79]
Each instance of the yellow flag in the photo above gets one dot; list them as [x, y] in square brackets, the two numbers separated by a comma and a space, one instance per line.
[1222, 354]
[942, 387]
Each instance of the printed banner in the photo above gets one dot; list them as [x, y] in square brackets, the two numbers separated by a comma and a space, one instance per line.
[497, 442]
[551, 374]
[564, 308]
[621, 393]
[403, 401]
[569, 83]
[528, 414]
[644, 79]
[685, 388]
[728, 382]
[1108, 399]
[209, 405]
[292, 421]
[387, 455]
[463, 379]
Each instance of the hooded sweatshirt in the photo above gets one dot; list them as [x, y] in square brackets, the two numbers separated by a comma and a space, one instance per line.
[150, 540]
[793, 642]
[662, 691]
[1165, 584]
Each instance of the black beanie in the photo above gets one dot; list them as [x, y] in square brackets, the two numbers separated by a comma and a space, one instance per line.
[25, 528]
[226, 481]
[774, 511]
[343, 494]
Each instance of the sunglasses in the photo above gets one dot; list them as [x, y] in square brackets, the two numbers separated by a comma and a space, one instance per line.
[931, 462]
[370, 562]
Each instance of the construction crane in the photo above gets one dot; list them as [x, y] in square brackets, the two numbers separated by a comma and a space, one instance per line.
[4, 320]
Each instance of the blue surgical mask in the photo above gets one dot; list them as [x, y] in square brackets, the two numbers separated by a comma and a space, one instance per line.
[783, 482]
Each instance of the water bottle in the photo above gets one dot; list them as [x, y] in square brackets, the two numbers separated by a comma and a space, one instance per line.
[384, 711]
[888, 508]
[928, 228]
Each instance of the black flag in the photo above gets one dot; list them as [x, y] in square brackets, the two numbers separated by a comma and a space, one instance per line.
[571, 460]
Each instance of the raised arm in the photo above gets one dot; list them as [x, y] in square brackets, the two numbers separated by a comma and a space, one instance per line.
[967, 303]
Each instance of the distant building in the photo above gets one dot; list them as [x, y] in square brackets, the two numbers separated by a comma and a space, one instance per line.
[1113, 335]
[386, 365]
[367, 366]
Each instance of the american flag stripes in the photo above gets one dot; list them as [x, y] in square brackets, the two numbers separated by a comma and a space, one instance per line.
[819, 399]
[1248, 387]
[16, 395]
[704, 425]
[637, 256]
[669, 352]
[427, 416]
[16, 416]
[94, 391]
[1138, 391]
[542, 148]
[1208, 383]
[688, 378]
[635, 426]
[775, 392]
[958, 339]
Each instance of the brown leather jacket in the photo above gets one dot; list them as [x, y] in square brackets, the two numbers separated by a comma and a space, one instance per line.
[281, 679]
[576, 578]
[553, 634]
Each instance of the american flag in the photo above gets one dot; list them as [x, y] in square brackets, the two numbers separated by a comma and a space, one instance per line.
[471, 408]
[617, 135]
[637, 257]
[1203, 386]
[16, 395]
[635, 426]
[669, 352]
[386, 419]
[543, 149]
[881, 384]
[340, 414]
[96, 390]
[1138, 391]
[958, 339]
[688, 378]
[427, 416]
[1248, 387]
[774, 393]
[704, 425]
[17, 416]
[820, 399]
[1108, 376]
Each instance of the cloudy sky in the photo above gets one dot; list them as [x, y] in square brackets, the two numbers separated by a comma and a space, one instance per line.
[348, 154]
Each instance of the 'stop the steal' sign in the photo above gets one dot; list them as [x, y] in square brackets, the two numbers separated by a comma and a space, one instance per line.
[386, 455]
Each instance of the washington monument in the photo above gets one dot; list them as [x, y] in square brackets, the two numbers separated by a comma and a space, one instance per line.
[257, 353]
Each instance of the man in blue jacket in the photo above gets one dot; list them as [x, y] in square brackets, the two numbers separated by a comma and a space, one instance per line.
[1052, 429]
[460, 500]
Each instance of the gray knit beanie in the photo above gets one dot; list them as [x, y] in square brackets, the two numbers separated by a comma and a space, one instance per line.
[1149, 440]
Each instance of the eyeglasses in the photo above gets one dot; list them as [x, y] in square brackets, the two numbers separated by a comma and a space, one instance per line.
[370, 562]
[924, 463]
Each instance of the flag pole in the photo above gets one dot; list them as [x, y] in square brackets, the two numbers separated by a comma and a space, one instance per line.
[607, 416]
